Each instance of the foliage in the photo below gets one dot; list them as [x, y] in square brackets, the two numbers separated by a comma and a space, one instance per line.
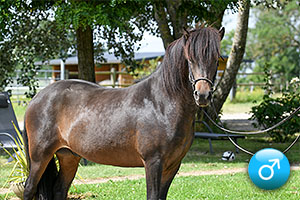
[43, 30]
[115, 25]
[272, 110]
[275, 40]
[147, 68]
[20, 170]
[172, 15]
[28, 34]
[226, 45]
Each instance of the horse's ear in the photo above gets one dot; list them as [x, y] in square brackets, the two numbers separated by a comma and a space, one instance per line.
[186, 33]
[222, 32]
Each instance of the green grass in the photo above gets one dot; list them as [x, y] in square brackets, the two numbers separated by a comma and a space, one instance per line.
[245, 96]
[92, 171]
[230, 186]
[19, 106]
[5, 169]
[234, 108]
[201, 187]
[19, 111]
[243, 102]
[198, 158]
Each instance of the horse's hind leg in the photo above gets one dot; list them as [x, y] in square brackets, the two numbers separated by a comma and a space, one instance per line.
[37, 168]
[68, 163]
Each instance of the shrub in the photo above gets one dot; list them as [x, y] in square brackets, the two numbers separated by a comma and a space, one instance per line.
[147, 68]
[20, 171]
[272, 110]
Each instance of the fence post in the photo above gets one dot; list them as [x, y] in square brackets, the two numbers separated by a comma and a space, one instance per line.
[62, 69]
[251, 86]
[113, 77]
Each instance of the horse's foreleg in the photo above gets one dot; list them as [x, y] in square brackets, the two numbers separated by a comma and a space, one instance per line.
[153, 169]
[68, 163]
[167, 178]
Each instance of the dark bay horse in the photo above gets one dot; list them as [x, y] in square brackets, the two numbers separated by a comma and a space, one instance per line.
[146, 125]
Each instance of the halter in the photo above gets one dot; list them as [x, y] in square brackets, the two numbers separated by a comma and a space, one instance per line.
[194, 82]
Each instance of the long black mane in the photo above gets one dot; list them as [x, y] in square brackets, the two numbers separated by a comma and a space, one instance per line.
[200, 46]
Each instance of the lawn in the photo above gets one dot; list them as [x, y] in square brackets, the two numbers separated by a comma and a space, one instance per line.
[230, 186]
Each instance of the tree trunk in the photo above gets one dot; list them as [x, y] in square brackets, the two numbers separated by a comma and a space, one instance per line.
[160, 16]
[235, 57]
[85, 49]
[219, 19]
[178, 17]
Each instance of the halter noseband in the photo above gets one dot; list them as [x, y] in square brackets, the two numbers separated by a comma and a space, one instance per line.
[194, 82]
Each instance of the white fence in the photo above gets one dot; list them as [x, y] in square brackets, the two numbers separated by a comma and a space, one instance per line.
[46, 77]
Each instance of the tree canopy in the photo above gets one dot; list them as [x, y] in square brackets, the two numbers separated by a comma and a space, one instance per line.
[172, 15]
[26, 35]
[44, 30]
[276, 40]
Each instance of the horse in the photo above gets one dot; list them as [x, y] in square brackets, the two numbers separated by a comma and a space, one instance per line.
[148, 124]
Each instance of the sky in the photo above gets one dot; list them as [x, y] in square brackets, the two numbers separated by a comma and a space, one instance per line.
[151, 43]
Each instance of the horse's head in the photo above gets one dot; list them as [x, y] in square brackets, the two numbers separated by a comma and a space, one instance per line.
[202, 52]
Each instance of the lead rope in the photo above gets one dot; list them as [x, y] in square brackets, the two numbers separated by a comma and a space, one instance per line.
[250, 133]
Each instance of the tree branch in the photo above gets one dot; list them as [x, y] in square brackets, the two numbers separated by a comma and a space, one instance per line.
[177, 18]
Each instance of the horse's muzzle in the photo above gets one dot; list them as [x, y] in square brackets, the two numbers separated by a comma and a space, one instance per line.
[202, 99]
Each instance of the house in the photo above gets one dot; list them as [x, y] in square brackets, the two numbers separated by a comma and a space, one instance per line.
[102, 69]
[105, 70]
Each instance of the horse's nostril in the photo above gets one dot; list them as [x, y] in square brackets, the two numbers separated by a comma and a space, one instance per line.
[202, 96]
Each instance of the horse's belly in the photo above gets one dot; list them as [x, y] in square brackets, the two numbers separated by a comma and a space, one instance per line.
[115, 157]
[103, 149]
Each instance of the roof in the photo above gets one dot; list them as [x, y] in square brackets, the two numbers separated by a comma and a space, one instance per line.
[110, 58]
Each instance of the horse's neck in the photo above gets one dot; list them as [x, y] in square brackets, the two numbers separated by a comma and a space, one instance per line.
[183, 101]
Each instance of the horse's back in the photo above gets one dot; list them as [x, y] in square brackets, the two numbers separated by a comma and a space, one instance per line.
[54, 105]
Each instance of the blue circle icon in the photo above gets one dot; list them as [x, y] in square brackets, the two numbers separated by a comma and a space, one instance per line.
[269, 169]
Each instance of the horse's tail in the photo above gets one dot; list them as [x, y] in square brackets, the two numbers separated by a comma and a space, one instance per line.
[46, 185]
[47, 181]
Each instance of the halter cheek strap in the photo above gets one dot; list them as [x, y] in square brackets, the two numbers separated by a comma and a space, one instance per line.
[192, 78]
